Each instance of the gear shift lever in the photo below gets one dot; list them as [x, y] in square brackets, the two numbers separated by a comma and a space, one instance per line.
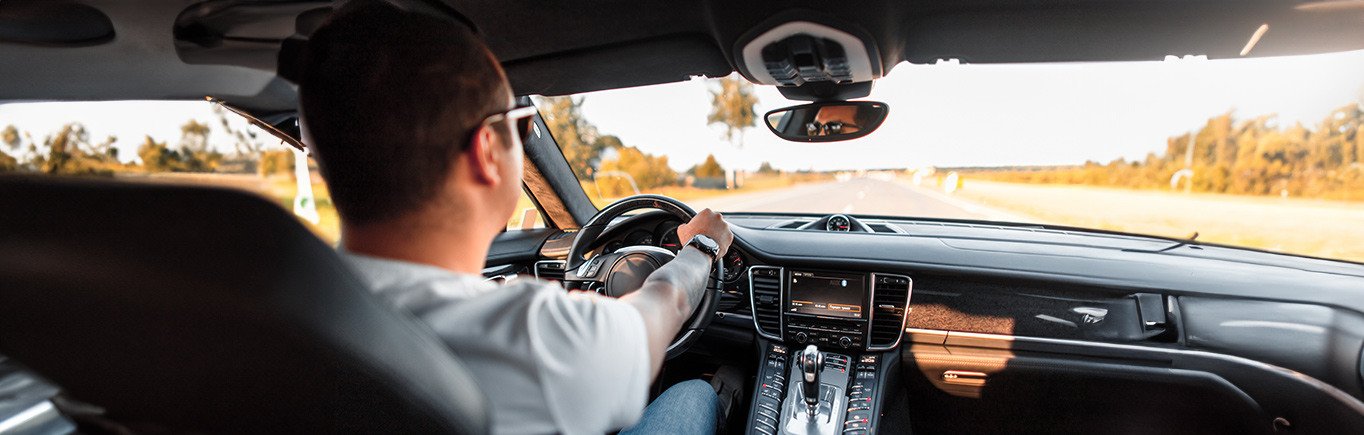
[811, 362]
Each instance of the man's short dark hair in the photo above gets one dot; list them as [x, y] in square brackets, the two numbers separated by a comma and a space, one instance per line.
[390, 98]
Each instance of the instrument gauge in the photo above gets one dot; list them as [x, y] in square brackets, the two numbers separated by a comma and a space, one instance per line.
[612, 246]
[640, 237]
[666, 234]
[734, 265]
[838, 222]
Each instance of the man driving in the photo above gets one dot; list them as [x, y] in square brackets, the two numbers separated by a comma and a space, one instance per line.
[413, 124]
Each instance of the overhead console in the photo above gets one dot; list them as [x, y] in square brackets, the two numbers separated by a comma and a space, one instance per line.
[827, 348]
[809, 58]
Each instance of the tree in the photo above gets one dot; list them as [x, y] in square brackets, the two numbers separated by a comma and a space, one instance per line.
[1247, 157]
[245, 141]
[575, 136]
[732, 106]
[276, 162]
[71, 153]
[194, 137]
[709, 169]
[766, 168]
[648, 171]
[9, 138]
[192, 155]
[157, 157]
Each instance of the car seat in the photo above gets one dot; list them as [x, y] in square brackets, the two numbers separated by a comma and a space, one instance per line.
[201, 309]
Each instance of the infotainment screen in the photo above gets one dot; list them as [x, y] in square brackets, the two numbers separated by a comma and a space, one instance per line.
[827, 294]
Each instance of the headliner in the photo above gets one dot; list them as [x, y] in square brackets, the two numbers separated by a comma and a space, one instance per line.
[172, 49]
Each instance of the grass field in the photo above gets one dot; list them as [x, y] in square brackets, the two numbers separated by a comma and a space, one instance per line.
[1318, 228]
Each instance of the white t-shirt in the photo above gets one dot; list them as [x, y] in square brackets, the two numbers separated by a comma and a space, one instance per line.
[548, 360]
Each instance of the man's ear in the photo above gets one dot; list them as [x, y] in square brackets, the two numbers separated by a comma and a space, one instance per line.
[484, 157]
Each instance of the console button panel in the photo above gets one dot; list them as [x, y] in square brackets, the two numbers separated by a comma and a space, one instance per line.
[771, 388]
[827, 334]
[854, 379]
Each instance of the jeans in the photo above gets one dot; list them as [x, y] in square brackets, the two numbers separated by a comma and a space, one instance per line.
[689, 407]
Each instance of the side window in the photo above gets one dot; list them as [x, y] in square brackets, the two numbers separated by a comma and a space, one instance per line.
[526, 216]
[164, 142]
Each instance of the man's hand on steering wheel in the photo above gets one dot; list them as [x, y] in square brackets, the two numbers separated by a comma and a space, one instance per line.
[629, 274]
[711, 224]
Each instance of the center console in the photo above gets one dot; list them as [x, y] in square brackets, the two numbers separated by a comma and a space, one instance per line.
[828, 340]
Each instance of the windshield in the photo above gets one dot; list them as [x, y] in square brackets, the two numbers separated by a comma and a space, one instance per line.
[1264, 153]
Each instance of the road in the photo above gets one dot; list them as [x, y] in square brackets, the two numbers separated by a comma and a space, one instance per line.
[865, 196]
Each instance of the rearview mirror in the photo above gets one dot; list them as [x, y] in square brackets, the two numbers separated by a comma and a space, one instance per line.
[827, 122]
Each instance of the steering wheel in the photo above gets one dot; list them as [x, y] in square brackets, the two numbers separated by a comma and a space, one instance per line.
[624, 271]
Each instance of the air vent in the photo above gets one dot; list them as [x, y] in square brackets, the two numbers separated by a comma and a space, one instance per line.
[550, 270]
[882, 228]
[730, 301]
[793, 224]
[764, 287]
[890, 300]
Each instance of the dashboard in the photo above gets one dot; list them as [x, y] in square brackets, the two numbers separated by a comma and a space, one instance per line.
[1037, 281]
[835, 308]
[943, 306]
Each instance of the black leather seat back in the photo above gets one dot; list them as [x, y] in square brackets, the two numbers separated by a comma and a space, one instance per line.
[211, 310]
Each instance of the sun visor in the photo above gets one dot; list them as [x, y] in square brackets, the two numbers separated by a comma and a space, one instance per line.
[53, 23]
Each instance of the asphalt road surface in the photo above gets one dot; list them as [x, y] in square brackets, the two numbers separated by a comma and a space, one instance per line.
[863, 196]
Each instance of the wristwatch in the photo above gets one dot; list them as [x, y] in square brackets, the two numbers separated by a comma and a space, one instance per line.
[705, 244]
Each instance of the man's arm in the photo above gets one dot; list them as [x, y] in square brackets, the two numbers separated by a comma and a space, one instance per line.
[672, 292]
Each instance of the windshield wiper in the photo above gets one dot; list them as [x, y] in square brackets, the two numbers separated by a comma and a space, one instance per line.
[289, 140]
[1178, 243]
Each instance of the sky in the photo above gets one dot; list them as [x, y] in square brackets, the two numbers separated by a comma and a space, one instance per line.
[946, 114]
[956, 115]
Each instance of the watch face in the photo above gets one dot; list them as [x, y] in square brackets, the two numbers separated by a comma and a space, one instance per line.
[705, 243]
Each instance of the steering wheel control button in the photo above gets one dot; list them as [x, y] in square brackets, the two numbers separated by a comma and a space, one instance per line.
[591, 267]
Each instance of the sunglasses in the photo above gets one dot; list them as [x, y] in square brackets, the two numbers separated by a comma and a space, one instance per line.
[522, 116]
[831, 127]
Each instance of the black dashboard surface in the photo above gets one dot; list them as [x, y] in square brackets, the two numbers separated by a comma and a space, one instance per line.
[1300, 313]
[1103, 260]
